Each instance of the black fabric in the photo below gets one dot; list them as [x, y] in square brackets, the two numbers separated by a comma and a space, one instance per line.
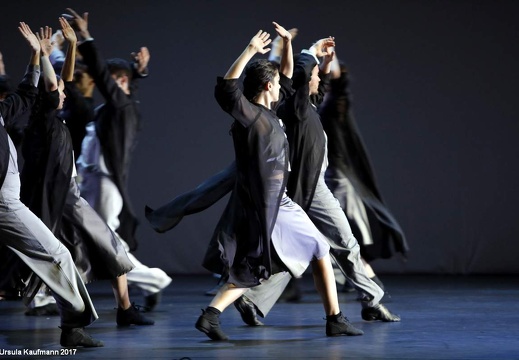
[305, 134]
[77, 112]
[47, 150]
[348, 157]
[117, 123]
[241, 241]
[203, 196]
[48, 190]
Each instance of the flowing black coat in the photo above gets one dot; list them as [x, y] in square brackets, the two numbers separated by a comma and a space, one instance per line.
[348, 156]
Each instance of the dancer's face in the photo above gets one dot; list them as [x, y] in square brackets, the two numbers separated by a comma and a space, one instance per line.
[314, 81]
[62, 96]
[274, 88]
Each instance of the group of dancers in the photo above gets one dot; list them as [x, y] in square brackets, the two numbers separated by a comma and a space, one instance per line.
[293, 186]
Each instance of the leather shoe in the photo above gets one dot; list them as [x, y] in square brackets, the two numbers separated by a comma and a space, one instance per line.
[210, 325]
[341, 326]
[131, 316]
[247, 310]
[45, 310]
[151, 301]
[78, 337]
[379, 312]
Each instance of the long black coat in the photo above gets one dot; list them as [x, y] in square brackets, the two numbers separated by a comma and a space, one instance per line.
[241, 242]
[117, 123]
[305, 134]
[348, 156]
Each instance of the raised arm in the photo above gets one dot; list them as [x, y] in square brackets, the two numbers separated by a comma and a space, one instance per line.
[29, 36]
[67, 72]
[17, 103]
[287, 57]
[256, 45]
[49, 76]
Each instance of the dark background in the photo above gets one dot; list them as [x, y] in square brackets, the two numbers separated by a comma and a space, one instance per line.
[435, 96]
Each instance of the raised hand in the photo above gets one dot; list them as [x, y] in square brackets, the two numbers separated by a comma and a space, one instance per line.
[68, 32]
[45, 39]
[27, 33]
[284, 34]
[260, 41]
[80, 22]
[142, 58]
[323, 47]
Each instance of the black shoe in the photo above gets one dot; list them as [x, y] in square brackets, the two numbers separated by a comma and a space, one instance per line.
[131, 316]
[78, 337]
[210, 325]
[151, 301]
[46, 310]
[379, 312]
[247, 311]
[341, 326]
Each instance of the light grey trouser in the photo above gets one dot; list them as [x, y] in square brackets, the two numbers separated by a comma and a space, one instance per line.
[25, 234]
[327, 215]
[104, 196]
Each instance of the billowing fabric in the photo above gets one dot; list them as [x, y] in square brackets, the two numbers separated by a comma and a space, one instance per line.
[351, 178]
[203, 196]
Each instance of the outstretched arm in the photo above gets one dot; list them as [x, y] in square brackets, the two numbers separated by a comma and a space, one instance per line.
[67, 72]
[287, 56]
[256, 45]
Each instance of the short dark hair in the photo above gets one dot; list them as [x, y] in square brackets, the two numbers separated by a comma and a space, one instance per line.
[6, 86]
[119, 67]
[257, 74]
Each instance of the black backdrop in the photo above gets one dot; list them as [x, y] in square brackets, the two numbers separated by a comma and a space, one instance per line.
[434, 84]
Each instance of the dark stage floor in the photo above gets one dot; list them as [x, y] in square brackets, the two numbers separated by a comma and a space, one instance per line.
[442, 318]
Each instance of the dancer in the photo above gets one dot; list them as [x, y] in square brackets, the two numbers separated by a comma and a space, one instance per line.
[259, 207]
[44, 254]
[351, 178]
[106, 152]
[49, 187]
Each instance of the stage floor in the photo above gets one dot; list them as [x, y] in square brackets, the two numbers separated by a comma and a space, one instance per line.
[443, 317]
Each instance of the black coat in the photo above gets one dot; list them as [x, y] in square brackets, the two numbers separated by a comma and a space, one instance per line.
[241, 243]
[348, 156]
[117, 123]
[47, 171]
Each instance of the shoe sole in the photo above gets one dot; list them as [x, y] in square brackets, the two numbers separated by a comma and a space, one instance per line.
[207, 332]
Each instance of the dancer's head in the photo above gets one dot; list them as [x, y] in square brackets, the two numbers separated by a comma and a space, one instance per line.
[261, 77]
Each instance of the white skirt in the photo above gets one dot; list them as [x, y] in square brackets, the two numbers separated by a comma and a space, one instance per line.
[296, 239]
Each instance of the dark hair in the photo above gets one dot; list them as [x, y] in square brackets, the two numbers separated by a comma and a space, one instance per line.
[257, 74]
[6, 86]
[79, 69]
[119, 67]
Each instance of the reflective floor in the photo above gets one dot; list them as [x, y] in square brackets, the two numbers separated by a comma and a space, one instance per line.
[442, 318]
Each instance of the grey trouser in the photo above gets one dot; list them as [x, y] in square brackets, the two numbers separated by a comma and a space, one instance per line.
[104, 196]
[25, 234]
[327, 215]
